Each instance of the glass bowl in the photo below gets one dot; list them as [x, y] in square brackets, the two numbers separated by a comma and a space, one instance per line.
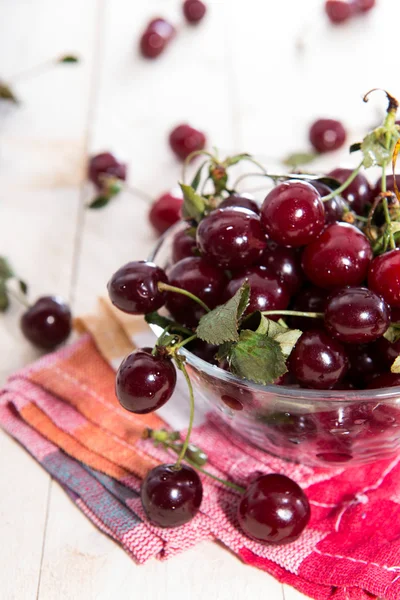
[314, 427]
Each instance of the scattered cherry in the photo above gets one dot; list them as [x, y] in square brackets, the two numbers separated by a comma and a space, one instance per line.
[105, 164]
[133, 288]
[156, 37]
[242, 202]
[285, 263]
[274, 509]
[327, 135]
[293, 213]
[318, 361]
[47, 323]
[232, 238]
[358, 194]
[171, 496]
[338, 11]
[194, 11]
[334, 208]
[183, 245]
[267, 292]
[340, 256]
[384, 276]
[184, 140]
[165, 212]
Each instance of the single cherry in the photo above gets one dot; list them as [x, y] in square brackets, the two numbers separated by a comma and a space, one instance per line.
[334, 208]
[327, 135]
[363, 364]
[185, 139]
[103, 165]
[338, 11]
[134, 288]
[171, 496]
[232, 238]
[293, 213]
[267, 292]
[145, 382]
[384, 276]
[389, 184]
[317, 361]
[47, 323]
[242, 202]
[340, 256]
[356, 315]
[358, 194]
[274, 509]
[194, 11]
[285, 263]
[165, 212]
[156, 37]
[183, 245]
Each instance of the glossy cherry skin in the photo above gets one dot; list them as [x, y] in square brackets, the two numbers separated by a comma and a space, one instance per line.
[47, 323]
[285, 263]
[183, 245]
[145, 382]
[385, 352]
[171, 497]
[194, 11]
[185, 139]
[384, 277]
[156, 37]
[358, 194]
[327, 135]
[293, 214]
[356, 315]
[267, 292]
[105, 164]
[200, 278]
[231, 238]
[338, 11]
[133, 288]
[274, 509]
[242, 202]
[317, 361]
[340, 256]
[310, 299]
[385, 380]
[162, 27]
[334, 208]
[165, 212]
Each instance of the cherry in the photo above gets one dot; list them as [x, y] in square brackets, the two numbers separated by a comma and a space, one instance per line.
[183, 245]
[389, 184]
[285, 264]
[334, 208]
[310, 299]
[385, 380]
[340, 256]
[194, 11]
[318, 361]
[384, 276]
[171, 496]
[241, 201]
[156, 37]
[385, 352]
[165, 212]
[274, 509]
[327, 135]
[203, 350]
[47, 323]
[200, 278]
[358, 194]
[105, 164]
[365, 5]
[293, 213]
[232, 238]
[162, 27]
[267, 292]
[133, 288]
[356, 315]
[145, 382]
[363, 364]
[184, 140]
[338, 11]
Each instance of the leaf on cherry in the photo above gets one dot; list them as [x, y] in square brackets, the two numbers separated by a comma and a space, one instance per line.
[99, 202]
[286, 338]
[257, 357]
[68, 59]
[299, 158]
[6, 93]
[392, 333]
[194, 205]
[224, 351]
[378, 146]
[395, 368]
[221, 324]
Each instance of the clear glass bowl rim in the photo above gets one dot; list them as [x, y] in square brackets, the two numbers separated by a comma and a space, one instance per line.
[299, 394]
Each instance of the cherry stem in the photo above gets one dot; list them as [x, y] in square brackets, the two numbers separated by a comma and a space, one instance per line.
[184, 342]
[36, 70]
[185, 445]
[189, 159]
[294, 313]
[386, 210]
[139, 193]
[165, 287]
[21, 299]
[344, 185]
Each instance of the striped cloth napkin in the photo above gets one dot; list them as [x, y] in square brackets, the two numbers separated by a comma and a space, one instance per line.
[63, 410]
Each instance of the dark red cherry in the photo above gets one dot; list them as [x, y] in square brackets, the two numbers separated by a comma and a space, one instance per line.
[145, 382]
[171, 497]
[162, 27]
[156, 37]
[389, 184]
[183, 245]
[365, 5]
[203, 350]
[231, 238]
[285, 263]
[385, 352]
[339, 11]
[267, 292]
[165, 212]
[317, 361]
[334, 208]
[309, 299]
[184, 140]
[47, 323]
[133, 288]
[340, 256]
[105, 164]
[327, 135]
[242, 202]
[293, 213]
[385, 380]
[363, 364]
[356, 315]
[194, 11]
[358, 194]
[274, 509]
[384, 277]
[200, 278]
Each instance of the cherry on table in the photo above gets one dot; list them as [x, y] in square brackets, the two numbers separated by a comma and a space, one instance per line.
[105, 164]
[183, 245]
[285, 263]
[156, 37]
[134, 288]
[171, 496]
[327, 135]
[47, 323]
[358, 194]
[165, 212]
[185, 139]
[194, 11]
[242, 202]
[339, 11]
[274, 509]
[384, 276]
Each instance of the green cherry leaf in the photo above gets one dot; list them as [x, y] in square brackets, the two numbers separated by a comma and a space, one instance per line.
[378, 146]
[234, 160]
[392, 333]
[6, 93]
[286, 338]
[299, 158]
[395, 368]
[99, 202]
[355, 147]
[194, 205]
[4, 302]
[221, 324]
[197, 178]
[257, 357]
[68, 59]
[224, 351]
[6, 271]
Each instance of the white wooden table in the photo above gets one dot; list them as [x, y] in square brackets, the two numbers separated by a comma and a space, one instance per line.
[241, 78]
